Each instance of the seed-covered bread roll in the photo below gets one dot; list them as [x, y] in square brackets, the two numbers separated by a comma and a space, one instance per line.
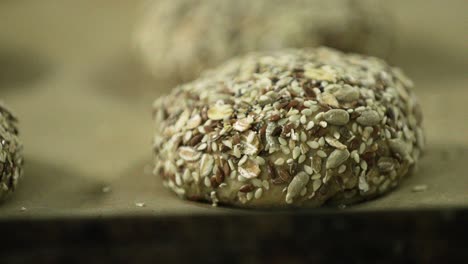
[179, 39]
[11, 159]
[289, 128]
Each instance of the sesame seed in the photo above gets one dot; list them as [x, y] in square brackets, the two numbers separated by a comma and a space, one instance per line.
[362, 148]
[321, 141]
[296, 152]
[363, 164]
[304, 148]
[250, 137]
[355, 156]
[207, 182]
[294, 118]
[266, 184]
[323, 124]
[354, 127]
[241, 178]
[282, 141]
[106, 189]
[336, 135]
[292, 144]
[260, 160]
[313, 144]
[316, 184]
[316, 176]
[279, 161]
[342, 169]
[321, 154]
[256, 182]
[306, 112]
[308, 169]
[310, 125]
[227, 143]
[419, 188]
[294, 135]
[388, 135]
[202, 146]
[236, 151]
[258, 193]
[302, 158]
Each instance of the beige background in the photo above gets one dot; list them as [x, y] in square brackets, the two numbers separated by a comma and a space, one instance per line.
[68, 71]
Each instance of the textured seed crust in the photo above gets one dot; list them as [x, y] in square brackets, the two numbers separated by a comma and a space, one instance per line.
[289, 128]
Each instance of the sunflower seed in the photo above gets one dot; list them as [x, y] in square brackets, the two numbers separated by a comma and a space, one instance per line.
[368, 118]
[336, 158]
[336, 117]
[328, 99]
[345, 93]
[297, 184]
[399, 147]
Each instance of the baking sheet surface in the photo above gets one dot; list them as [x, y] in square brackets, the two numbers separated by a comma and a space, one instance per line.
[85, 120]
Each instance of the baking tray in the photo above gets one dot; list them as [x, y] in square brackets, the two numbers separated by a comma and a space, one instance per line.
[88, 191]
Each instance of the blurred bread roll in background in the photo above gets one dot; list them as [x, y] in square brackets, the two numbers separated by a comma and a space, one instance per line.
[179, 39]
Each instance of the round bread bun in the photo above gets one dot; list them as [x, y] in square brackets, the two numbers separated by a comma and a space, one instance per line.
[11, 159]
[179, 39]
[289, 128]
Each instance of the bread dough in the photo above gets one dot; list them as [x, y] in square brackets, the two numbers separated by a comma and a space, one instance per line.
[11, 160]
[179, 39]
[289, 128]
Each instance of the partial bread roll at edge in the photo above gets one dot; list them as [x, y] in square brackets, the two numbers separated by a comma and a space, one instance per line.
[289, 128]
[11, 159]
